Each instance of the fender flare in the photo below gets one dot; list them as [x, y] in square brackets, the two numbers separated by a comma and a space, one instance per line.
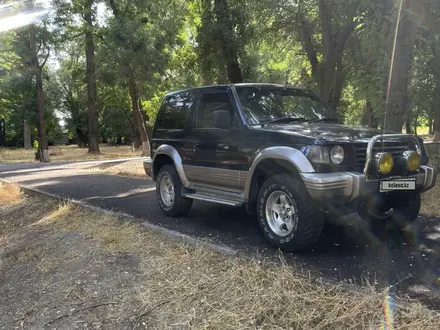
[170, 151]
[293, 156]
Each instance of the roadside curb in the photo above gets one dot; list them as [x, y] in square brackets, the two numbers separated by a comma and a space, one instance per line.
[195, 242]
[192, 241]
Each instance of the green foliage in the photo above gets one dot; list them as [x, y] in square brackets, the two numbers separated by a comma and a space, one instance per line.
[166, 45]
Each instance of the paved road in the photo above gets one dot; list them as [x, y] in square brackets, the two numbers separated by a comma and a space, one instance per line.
[346, 252]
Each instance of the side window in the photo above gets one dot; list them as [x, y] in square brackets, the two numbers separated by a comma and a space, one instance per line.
[174, 110]
[210, 103]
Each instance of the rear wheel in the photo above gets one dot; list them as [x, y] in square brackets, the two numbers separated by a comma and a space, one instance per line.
[288, 218]
[169, 193]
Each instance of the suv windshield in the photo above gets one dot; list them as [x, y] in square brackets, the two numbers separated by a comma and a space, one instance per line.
[263, 105]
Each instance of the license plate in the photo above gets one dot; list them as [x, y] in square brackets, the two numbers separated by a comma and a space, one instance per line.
[393, 185]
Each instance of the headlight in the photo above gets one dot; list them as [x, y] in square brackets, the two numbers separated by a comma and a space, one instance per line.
[317, 154]
[413, 160]
[337, 154]
[385, 162]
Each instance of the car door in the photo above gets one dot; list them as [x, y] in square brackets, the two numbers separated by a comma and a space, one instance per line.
[216, 160]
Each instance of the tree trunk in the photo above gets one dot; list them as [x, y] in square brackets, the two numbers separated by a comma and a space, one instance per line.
[416, 123]
[2, 133]
[43, 146]
[430, 124]
[437, 126]
[368, 117]
[336, 94]
[146, 120]
[399, 74]
[228, 47]
[138, 118]
[324, 71]
[408, 125]
[91, 80]
[326, 78]
[82, 139]
[27, 135]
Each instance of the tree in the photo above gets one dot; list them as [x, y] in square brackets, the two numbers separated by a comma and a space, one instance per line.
[24, 62]
[71, 81]
[219, 44]
[138, 44]
[406, 31]
[91, 76]
[37, 68]
[68, 14]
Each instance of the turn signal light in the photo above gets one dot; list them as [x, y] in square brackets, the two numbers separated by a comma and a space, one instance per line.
[413, 160]
[385, 162]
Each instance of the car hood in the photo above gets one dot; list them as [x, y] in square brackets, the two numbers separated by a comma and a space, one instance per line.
[329, 132]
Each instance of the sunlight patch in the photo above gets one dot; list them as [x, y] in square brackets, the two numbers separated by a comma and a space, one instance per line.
[62, 211]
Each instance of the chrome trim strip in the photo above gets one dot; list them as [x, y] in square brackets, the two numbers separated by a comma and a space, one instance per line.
[214, 176]
[374, 139]
[289, 154]
[430, 177]
[168, 150]
[322, 186]
[213, 199]
[242, 178]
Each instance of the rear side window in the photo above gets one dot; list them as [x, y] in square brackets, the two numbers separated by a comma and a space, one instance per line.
[210, 103]
[174, 110]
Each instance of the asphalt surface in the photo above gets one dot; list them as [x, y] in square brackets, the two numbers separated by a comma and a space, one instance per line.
[408, 263]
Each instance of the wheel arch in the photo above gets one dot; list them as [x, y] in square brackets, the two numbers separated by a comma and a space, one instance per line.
[167, 154]
[272, 161]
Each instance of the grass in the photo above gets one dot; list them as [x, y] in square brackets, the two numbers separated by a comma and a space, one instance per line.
[68, 153]
[430, 201]
[130, 168]
[10, 194]
[193, 288]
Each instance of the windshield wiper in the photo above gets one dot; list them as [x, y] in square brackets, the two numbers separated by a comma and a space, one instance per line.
[284, 120]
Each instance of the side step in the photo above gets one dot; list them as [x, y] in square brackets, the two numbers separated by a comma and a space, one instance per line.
[215, 198]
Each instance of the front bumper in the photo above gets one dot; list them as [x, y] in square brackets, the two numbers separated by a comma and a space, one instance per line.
[148, 167]
[344, 187]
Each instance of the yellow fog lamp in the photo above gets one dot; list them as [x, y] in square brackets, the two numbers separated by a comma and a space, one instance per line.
[413, 160]
[385, 162]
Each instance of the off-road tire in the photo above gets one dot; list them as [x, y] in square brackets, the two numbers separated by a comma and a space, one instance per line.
[181, 205]
[310, 216]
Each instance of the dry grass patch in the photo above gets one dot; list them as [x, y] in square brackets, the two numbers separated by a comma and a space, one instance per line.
[192, 288]
[10, 194]
[68, 153]
[130, 168]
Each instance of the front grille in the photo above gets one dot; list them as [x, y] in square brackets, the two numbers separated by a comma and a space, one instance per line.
[396, 148]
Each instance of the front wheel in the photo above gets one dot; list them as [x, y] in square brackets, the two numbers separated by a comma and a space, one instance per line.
[287, 216]
[169, 193]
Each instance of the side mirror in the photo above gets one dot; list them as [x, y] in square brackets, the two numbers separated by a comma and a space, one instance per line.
[221, 119]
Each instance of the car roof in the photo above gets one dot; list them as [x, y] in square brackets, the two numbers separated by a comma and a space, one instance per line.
[232, 85]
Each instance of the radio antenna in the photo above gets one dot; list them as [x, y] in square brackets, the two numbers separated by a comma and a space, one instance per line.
[391, 70]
